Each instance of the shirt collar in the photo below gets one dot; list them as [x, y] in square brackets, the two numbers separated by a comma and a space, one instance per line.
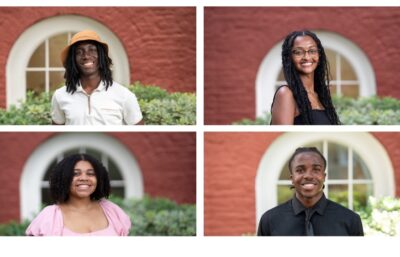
[101, 87]
[319, 207]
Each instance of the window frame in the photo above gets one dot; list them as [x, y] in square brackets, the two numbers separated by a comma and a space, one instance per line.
[350, 182]
[271, 65]
[33, 36]
[364, 144]
[36, 166]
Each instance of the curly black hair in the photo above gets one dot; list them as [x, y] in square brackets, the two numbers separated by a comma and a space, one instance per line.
[72, 73]
[321, 79]
[62, 174]
[305, 150]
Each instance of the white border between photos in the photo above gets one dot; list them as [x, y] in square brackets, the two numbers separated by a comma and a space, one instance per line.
[199, 245]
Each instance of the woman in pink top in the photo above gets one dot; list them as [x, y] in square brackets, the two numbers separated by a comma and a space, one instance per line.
[79, 185]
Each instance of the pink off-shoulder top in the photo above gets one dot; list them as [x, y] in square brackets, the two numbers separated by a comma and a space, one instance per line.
[49, 222]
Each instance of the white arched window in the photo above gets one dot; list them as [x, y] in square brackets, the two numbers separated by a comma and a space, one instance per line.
[357, 163]
[35, 55]
[352, 73]
[108, 149]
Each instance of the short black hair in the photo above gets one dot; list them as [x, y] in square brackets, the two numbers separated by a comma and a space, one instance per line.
[72, 73]
[305, 150]
[62, 174]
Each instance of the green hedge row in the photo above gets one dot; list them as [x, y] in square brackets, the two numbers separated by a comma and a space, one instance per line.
[362, 111]
[158, 107]
[149, 217]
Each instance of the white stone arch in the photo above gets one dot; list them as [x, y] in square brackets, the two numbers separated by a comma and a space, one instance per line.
[40, 159]
[33, 36]
[271, 65]
[364, 144]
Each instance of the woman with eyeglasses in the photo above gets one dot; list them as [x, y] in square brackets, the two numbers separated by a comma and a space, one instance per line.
[306, 99]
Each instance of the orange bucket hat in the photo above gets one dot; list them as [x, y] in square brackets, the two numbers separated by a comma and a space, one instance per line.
[81, 36]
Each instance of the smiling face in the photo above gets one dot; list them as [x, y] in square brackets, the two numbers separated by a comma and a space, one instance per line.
[308, 177]
[305, 55]
[84, 181]
[86, 57]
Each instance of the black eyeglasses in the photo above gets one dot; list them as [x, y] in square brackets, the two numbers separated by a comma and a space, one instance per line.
[301, 52]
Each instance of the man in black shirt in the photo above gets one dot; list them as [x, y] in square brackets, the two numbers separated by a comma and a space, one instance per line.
[309, 213]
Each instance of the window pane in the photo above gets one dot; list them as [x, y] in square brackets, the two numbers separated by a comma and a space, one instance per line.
[35, 81]
[71, 152]
[38, 57]
[118, 191]
[331, 56]
[113, 170]
[46, 199]
[337, 162]
[56, 45]
[361, 193]
[281, 77]
[56, 80]
[339, 194]
[285, 173]
[347, 70]
[352, 91]
[318, 145]
[360, 169]
[95, 154]
[332, 89]
[284, 193]
[49, 169]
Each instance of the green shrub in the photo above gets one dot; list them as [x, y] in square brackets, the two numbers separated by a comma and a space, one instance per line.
[264, 120]
[14, 228]
[162, 108]
[149, 217]
[382, 217]
[34, 111]
[368, 110]
[159, 216]
[362, 111]
[147, 93]
[177, 109]
[158, 107]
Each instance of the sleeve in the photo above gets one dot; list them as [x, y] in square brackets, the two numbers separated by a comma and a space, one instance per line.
[47, 223]
[357, 226]
[263, 229]
[119, 219]
[132, 113]
[57, 115]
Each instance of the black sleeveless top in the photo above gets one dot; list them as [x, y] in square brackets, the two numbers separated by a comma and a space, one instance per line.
[320, 117]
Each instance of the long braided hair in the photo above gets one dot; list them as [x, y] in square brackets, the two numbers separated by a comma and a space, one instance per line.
[72, 73]
[321, 79]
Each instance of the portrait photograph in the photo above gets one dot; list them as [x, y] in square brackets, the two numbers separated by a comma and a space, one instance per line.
[273, 66]
[98, 184]
[98, 66]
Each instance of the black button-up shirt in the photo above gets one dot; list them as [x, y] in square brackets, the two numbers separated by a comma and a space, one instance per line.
[328, 219]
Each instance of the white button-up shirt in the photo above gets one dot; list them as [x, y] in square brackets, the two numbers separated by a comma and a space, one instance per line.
[114, 106]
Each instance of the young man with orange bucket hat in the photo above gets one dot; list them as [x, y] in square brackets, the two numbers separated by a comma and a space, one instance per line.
[90, 96]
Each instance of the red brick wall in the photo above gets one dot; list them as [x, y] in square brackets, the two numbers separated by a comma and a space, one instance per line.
[237, 39]
[390, 141]
[167, 162]
[160, 42]
[231, 163]
[15, 151]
